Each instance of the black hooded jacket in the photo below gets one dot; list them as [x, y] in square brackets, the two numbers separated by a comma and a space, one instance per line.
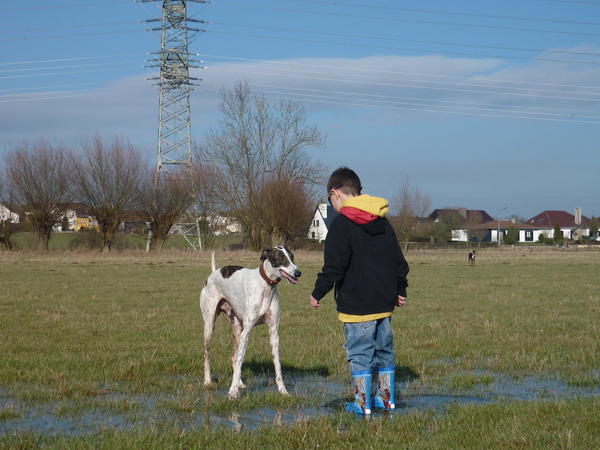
[366, 265]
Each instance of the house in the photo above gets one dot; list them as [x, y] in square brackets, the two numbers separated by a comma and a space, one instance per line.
[134, 221]
[572, 226]
[460, 216]
[489, 231]
[460, 219]
[8, 215]
[324, 215]
[78, 218]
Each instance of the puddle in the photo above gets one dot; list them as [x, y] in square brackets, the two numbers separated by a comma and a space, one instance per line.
[328, 396]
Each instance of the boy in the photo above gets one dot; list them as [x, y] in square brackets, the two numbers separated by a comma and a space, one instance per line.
[365, 264]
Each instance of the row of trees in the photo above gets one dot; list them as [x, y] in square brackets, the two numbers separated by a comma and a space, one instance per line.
[253, 168]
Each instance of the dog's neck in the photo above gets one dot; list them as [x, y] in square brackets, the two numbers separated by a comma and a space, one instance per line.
[263, 274]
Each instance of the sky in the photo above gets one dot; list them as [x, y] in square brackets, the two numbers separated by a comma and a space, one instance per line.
[478, 104]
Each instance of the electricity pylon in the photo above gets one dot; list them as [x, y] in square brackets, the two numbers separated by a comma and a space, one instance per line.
[174, 148]
[175, 84]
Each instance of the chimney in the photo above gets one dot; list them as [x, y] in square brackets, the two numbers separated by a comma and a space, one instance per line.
[577, 216]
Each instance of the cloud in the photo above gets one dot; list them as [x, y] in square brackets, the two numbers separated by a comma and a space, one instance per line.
[417, 88]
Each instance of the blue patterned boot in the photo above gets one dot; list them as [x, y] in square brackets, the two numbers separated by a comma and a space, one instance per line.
[362, 393]
[384, 397]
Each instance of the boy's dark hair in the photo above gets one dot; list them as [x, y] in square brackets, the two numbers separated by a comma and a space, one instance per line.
[346, 180]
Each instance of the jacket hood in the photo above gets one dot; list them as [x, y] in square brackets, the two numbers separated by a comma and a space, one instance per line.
[367, 212]
[375, 206]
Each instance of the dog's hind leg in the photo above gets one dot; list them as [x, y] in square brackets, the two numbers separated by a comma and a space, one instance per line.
[209, 314]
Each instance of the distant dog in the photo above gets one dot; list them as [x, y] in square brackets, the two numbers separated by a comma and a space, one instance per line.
[247, 297]
[472, 256]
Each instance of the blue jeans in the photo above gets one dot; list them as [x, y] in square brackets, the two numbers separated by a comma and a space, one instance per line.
[370, 345]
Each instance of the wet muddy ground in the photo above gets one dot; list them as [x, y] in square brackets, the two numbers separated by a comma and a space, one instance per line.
[52, 418]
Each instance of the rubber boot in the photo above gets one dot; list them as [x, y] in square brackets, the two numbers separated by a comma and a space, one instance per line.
[362, 391]
[384, 396]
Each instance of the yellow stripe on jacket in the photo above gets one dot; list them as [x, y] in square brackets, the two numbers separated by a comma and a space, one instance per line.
[349, 318]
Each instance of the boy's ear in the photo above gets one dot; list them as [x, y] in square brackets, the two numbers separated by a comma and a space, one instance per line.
[265, 254]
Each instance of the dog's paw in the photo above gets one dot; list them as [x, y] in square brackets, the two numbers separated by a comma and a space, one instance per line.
[283, 391]
[241, 385]
[233, 393]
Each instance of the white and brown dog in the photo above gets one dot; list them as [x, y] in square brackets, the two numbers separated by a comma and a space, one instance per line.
[247, 297]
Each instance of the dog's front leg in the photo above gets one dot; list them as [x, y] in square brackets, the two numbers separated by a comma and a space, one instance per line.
[272, 321]
[236, 382]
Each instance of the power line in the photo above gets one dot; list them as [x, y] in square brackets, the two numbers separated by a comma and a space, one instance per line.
[79, 58]
[51, 74]
[387, 38]
[38, 99]
[54, 86]
[465, 82]
[76, 66]
[447, 13]
[475, 105]
[405, 85]
[405, 20]
[401, 108]
[65, 36]
[394, 72]
[384, 47]
[72, 27]
[79, 4]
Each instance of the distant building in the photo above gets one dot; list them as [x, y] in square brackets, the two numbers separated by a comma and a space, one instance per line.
[460, 216]
[324, 215]
[7, 214]
[490, 231]
[78, 218]
[569, 227]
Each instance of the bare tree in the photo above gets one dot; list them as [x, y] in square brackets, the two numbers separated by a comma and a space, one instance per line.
[38, 177]
[256, 141]
[207, 207]
[108, 178]
[165, 199]
[285, 209]
[411, 205]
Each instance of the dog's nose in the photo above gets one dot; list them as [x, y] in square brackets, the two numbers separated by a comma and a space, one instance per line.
[297, 273]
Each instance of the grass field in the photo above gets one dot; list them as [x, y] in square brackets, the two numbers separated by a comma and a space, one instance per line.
[112, 344]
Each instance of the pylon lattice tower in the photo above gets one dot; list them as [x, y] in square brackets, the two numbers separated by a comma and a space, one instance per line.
[174, 148]
[175, 84]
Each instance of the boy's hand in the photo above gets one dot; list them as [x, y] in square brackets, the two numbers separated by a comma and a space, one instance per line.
[314, 302]
[400, 301]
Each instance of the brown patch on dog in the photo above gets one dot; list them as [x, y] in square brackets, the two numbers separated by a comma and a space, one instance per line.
[227, 271]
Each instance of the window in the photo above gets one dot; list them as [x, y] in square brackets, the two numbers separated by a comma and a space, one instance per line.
[313, 234]
[316, 222]
[529, 235]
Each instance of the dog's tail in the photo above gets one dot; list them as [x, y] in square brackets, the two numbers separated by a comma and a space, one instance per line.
[213, 265]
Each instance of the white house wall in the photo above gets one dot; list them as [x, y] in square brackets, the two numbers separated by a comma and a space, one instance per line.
[460, 236]
[317, 229]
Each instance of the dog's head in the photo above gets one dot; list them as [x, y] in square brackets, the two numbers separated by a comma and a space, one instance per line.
[279, 263]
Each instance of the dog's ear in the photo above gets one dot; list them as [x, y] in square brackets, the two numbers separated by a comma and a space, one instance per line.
[266, 253]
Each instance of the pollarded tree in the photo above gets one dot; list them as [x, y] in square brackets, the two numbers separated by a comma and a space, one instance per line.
[256, 141]
[107, 177]
[286, 209]
[165, 199]
[38, 177]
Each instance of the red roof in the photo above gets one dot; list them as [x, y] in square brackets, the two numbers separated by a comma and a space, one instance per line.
[548, 218]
